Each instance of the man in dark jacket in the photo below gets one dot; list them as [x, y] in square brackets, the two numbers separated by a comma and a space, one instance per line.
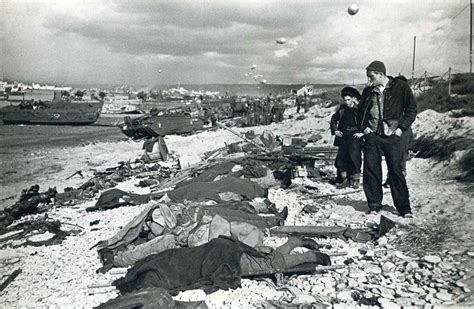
[388, 108]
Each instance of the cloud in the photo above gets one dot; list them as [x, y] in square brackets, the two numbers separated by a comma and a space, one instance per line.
[216, 41]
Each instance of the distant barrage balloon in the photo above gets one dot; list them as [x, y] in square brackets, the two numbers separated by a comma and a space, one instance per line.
[263, 81]
[353, 9]
[281, 40]
[159, 71]
[253, 67]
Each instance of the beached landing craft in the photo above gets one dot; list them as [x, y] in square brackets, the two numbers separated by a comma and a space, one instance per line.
[56, 112]
[161, 124]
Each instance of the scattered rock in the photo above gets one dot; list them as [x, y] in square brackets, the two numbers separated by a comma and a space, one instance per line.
[388, 304]
[383, 241]
[404, 301]
[388, 267]
[370, 253]
[345, 295]
[311, 209]
[433, 259]
[356, 274]
[418, 302]
[373, 269]
[445, 266]
[460, 251]
[444, 296]
[416, 289]
[411, 266]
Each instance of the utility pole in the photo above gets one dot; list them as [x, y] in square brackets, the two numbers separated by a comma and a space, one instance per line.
[449, 81]
[413, 66]
[470, 42]
[424, 85]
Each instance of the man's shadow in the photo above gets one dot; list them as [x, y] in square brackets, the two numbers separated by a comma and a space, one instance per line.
[361, 205]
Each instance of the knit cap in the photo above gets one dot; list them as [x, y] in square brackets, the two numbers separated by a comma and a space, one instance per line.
[377, 66]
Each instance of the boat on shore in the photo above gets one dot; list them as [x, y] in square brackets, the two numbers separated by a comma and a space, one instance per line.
[57, 112]
[122, 106]
[162, 123]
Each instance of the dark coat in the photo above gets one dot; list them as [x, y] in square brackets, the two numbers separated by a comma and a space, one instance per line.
[343, 118]
[399, 106]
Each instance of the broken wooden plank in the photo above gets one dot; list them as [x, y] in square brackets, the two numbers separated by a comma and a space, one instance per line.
[10, 278]
[308, 231]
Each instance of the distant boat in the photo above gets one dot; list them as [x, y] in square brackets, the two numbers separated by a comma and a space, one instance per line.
[122, 106]
[57, 112]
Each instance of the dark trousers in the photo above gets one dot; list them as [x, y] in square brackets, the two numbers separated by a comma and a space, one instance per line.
[349, 154]
[375, 146]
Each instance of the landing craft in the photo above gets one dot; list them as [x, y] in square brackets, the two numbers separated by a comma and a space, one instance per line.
[353, 9]
[281, 40]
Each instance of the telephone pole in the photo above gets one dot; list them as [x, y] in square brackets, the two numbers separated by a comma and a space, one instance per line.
[413, 66]
[424, 84]
[470, 41]
[449, 81]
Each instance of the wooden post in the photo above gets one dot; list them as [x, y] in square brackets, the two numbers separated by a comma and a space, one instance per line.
[449, 81]
[424, 85]
[413, 66]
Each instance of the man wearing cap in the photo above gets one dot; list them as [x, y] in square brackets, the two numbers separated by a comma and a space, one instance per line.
[387, 109]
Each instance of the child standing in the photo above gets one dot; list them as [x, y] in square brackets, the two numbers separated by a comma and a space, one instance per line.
[344, 127]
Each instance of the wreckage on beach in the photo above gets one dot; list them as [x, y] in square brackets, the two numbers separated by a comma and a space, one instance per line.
[59, 111]
[162, 123]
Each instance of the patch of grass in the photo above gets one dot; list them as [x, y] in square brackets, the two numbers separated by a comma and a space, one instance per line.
[437, 98]
[430, 237]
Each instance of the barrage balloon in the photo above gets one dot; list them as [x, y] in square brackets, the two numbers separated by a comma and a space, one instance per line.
[281, 40]
[353, 9]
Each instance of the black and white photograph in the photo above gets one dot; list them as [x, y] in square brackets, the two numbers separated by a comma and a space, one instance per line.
[236, 154]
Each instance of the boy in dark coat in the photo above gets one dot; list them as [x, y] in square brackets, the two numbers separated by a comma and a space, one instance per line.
[344, 127]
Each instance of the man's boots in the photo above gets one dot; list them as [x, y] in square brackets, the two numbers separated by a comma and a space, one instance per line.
[345, 181]
[355, 181]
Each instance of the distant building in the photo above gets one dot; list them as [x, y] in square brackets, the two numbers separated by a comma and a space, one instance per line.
[307, 90]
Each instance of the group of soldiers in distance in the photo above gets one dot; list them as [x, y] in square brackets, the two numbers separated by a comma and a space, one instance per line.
[254, 111]
[263, 112]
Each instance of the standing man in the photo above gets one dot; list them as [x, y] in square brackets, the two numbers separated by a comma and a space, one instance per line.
[388, 108]
[299, 100]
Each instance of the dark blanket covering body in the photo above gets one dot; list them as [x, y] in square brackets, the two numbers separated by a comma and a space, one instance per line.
[202, 191]
[250, 169]
[114, 198]
[212, 265]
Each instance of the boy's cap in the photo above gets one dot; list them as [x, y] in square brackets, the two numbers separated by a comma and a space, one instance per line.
[351, 92]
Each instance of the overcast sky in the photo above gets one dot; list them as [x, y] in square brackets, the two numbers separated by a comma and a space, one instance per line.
[128, 42]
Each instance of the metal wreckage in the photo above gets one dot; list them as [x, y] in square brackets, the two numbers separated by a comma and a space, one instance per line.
[204, 215]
